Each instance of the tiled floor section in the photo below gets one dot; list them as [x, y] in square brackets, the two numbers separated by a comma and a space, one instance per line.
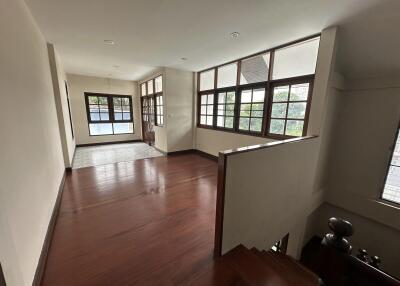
[114, 153]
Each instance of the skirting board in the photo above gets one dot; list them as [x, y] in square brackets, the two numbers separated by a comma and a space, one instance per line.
[107, 143]
[188, 151]
[37, 280]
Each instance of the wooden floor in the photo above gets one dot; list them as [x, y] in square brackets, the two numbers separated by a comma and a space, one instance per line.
[146, 222]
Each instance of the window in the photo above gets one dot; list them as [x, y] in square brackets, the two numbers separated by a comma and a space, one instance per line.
[255, 69]
[159, 110]
[227, 75]
[150, 89]
[109, 114]
[226, 109]
[267, 94]
[251, 109]
[207, 79]
[391, 191]
[207, 109]
[158, 84]
[288, 109]
[296, 60]
[143, 89]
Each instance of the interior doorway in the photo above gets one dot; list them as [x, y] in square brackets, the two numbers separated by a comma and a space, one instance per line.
[148, 119]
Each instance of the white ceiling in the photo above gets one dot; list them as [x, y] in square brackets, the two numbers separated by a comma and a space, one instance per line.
[154, 33]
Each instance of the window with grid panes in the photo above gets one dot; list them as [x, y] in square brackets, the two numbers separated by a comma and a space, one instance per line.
[288, 110]
[226, 109]
[159, 110]
[251, 109]
[206, 109]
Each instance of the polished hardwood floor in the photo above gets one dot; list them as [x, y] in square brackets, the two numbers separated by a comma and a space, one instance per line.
[146, 222]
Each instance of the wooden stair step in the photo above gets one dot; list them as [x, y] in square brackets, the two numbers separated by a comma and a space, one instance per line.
[217, 273]
[292, 269]
[252, 269]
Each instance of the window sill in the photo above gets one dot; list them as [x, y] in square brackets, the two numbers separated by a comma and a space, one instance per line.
[111, 134]
[388, 203]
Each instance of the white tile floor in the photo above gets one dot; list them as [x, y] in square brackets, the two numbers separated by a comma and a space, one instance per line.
[113, 153]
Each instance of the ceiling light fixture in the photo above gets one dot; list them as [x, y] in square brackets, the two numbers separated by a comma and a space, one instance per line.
[116, 66]
[109, 42]
[184, 59]
[234, 35]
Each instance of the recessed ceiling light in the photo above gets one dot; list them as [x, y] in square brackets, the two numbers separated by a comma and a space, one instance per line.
[116, 66]
[184, 59]
[109, 42]
[234, 35]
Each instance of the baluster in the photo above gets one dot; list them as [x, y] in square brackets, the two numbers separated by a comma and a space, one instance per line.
[375, 261]
[340, 229]
[362, 255]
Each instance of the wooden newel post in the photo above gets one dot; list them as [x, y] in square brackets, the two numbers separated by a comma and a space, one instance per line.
[336, 239]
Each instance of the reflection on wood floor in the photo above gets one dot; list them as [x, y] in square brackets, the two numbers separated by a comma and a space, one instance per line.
[146, 222]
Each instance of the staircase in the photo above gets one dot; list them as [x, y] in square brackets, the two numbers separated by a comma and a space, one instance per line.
[244, 267]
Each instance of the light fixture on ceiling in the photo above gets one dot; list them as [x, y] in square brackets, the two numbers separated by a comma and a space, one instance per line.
[184, 59]
[235, 35]
[109, 42]
[115, 66]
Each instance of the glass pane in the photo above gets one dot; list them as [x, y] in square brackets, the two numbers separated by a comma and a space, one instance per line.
[118, 115]
[127, 116]
[207, 80]
[256, 113]
[220, 121]
[294, 127]
[143, 86]
[221, 110]
[125, 101]
[296, 60]
[117, 108]
[94, 116]
[281, 93]
[297, 110]
[204, 99]
[103, 100]
[117, 101]
[244, 123]
[93, 108]
[246, 96]
[100, 129]
[210, 109]
[93, 100]
[210, 99]
[230, 107]
[122, 128]
[150, 87]
[203, 109]
[278, 110]
[158, 82]
[221, 97]
[161, 99]
[104, 116]
[257, 106]
[256, 124]
[227, 75]
[230, 97]
[228, 122]
[299, 92]
[245, 110]
[203, 119]
[229, 112]
[126, 108]
[209, 120]
[392, 185]
[255, 69]
[258, 95]
[277, 126]
[103, 108]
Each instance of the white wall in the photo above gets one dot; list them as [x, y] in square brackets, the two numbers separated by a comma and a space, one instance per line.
[267, 194]
[79, 84]
[179, 109]
[59, 79]
[177, 132]
[31, 162]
